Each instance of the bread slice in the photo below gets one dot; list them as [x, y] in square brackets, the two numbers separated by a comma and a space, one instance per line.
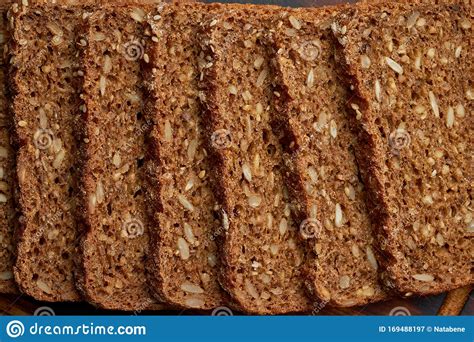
[183, 262]
[45, 82]
[114, 247]
[411, 67]
[260, 255]
[8, 212]
[341, 267]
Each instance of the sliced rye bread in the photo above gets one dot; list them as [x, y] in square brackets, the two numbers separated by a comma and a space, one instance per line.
[341, 268]
[183, 258]
[44, 78]
[260, 254]
[410, 66]
[8, 212]
[112, 270]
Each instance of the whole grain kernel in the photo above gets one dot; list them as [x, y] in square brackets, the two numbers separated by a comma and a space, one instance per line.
[371, 258]
[138, 14]
[168, 131]
[470, 94]
[310, 78]
[183, 248]
[212, 260]
[428, 200]
[433, 103]
[333, 129]
[258, 62]
[188, 233]
[423, 277]
[460, 111]
[412, 19]
[191, 150]
[193, 302]
[465, 23]
[421, 22]
[102, 85]
[338, 216]
[107, 68]
[191, 288]
[251, 289]
[261, 77]
[283, 226]
[43, 286]
[450, 117]
[344, 282]
[116, 159]
[189, 185]
[394, 65]
[58, 160]
[350, 192]
[418, 62]
[247, 172]
[431, 52]
[313, 174]
[378, 90]
[232, 89]
[254, 201]
[355, 250]
[294, 22]
[185, 203]
[274, 249]
[457, 52]
[440, 239]
[365, 61]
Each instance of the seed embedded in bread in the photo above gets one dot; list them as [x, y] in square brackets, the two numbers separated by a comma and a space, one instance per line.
[45, 35]
[115, 243]
[413, 160]
[326, 193]
[261, 258]
[8, 212]
[182, 264]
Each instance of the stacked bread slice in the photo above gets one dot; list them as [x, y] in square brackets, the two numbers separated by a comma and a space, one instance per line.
[8, 212]
[262, 158]
[413, 101]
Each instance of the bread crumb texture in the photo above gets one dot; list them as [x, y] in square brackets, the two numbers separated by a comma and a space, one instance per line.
[116, 240]
[44, 77]
[341, 267]
[184, 263]
[261, 257]
[411, 68]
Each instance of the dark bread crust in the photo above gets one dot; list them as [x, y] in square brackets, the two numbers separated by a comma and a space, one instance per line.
[115, 242]
[328, 195]
[415, 161]
[182, 263]
[8, 212]
[45, 102]
[259, 252]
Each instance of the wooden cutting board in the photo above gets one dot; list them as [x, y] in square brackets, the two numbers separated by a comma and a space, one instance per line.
[458, 302]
